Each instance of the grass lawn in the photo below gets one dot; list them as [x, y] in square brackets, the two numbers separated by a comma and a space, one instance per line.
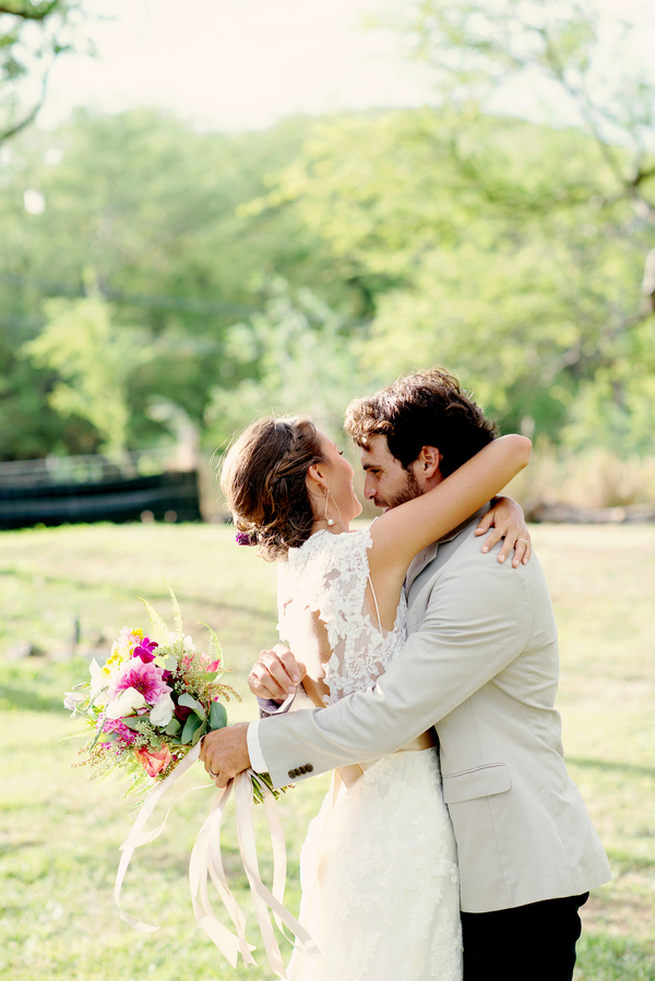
[68, 591]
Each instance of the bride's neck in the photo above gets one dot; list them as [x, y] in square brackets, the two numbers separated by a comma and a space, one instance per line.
[321, 524]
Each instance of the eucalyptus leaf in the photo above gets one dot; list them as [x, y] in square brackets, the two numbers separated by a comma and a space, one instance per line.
[199, 733]
[173, 727]
[190, 726]
[166, 661]
[134, 721]
[190, 702]
[217, 715]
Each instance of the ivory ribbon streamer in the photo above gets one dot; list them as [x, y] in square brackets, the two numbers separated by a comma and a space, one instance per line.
[206, 863]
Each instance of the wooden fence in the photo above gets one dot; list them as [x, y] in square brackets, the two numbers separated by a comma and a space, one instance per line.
[70, 490]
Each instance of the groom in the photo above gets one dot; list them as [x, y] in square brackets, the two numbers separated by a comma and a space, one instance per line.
[480, 665]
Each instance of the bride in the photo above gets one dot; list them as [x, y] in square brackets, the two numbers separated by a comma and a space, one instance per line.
[378, 868]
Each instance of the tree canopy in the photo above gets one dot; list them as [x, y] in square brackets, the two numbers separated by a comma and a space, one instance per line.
[227, 276]
[32, 37]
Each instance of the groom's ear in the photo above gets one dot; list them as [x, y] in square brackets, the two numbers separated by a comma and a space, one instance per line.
[428, 461]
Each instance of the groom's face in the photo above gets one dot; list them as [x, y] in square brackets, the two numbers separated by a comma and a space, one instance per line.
[386, 483]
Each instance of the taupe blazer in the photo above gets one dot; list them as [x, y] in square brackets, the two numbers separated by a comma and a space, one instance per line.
[481, 666]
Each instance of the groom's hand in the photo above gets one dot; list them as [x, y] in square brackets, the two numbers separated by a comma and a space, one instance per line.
[276, 674]
[225, 753]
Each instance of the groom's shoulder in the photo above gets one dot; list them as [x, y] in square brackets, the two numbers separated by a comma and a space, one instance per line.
[462, 555]
[455, 555]
[462, 545]
[462, 561]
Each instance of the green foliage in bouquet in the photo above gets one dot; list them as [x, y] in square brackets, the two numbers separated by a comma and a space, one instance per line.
[152, 700]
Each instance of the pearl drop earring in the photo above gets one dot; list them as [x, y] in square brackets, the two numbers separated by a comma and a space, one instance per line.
[330, 521]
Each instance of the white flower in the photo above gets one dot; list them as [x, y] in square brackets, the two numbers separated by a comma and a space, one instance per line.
[162, 711]
[73, 699]
[99, 682]
[125, 704]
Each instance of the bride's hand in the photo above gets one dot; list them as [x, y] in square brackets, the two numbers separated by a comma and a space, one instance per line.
[276, 674]
[506, 520]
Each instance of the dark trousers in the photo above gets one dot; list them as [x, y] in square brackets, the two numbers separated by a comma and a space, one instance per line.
[528, 943]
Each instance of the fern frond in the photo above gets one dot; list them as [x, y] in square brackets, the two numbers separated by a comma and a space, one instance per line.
[177, 619]
[214, 651]
[160, 628]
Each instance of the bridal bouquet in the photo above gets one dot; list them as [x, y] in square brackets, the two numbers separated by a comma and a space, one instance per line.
[151, 701]
[147, 707]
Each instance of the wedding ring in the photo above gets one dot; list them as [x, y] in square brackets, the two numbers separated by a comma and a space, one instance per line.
[523, 540]
[215, 774]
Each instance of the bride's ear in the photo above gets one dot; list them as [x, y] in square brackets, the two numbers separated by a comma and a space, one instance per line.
[315, 479]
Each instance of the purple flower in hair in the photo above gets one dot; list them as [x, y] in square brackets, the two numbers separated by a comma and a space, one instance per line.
[243, 538]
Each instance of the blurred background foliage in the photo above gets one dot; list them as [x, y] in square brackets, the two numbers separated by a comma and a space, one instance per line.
[145, 263]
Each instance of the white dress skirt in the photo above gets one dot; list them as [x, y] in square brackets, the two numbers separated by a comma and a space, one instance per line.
[379, 878]
[380, 889]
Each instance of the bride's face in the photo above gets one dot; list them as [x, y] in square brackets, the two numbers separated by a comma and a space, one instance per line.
[339, 476]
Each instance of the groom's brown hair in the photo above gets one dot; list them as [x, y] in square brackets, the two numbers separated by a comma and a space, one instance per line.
[427, 408]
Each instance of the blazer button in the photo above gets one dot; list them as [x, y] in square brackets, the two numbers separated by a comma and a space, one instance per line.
[309, 768]
[293, 773]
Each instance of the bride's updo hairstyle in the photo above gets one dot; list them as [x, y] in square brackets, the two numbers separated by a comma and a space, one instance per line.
[263, 479]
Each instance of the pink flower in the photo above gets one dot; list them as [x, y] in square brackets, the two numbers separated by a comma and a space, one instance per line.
[144, 678]
[125, 735]
[214, 666]
[145, 649]
[154, 761]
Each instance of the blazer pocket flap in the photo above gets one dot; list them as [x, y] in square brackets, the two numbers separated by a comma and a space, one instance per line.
[483, 781]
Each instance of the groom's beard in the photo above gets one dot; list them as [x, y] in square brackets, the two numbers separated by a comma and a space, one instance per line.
[407, 492]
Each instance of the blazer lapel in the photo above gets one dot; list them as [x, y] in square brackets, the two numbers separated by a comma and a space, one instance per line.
[419, 562]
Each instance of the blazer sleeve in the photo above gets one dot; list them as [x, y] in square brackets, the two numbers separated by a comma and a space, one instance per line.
[476, 622]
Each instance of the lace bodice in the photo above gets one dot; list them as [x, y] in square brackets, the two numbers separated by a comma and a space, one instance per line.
[329, 575]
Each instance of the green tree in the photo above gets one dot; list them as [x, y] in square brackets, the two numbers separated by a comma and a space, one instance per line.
[497, 247]
[94, 361]
[159, 212]
[301, 360]
[576, 56]
[588, 65]
[32, 37]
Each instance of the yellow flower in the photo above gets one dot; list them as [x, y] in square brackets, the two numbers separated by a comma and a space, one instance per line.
[113, 661]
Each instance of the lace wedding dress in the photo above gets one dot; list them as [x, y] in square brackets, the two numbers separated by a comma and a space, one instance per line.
[378, 867]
